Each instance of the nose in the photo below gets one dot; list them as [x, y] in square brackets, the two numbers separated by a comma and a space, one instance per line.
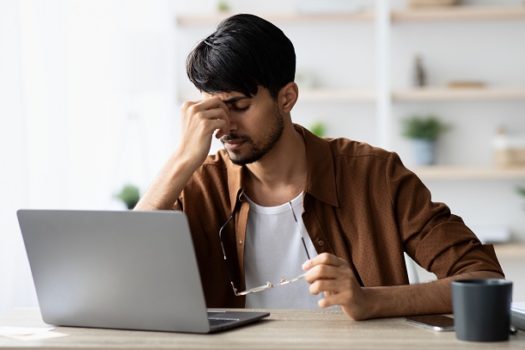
[233, 123]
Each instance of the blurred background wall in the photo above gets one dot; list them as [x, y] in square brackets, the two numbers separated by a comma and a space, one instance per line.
[90, 91]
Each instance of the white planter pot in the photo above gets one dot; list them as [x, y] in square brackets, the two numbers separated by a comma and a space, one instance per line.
[424, 151]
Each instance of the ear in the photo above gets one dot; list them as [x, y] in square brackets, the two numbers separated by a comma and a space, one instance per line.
[287, 97]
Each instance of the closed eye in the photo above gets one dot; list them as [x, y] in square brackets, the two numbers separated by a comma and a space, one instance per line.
[239, 108]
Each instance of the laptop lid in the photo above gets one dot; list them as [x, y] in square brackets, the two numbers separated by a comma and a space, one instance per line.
[115, 269]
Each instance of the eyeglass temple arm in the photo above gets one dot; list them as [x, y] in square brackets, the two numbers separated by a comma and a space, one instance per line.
[302, 238]
[352, 266]
[220, 235]
[240, 198]
[228, 267]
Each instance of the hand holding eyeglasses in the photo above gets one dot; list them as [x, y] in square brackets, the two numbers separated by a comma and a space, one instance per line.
[334, 277]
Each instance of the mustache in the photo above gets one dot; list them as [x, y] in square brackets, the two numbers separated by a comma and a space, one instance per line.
[234, 137]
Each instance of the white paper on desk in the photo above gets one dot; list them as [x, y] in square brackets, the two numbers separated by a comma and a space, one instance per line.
[29, 333]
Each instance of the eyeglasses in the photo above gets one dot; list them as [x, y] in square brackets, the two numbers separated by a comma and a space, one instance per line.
[283, 281]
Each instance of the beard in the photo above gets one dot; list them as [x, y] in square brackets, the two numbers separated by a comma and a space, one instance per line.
[256, 150]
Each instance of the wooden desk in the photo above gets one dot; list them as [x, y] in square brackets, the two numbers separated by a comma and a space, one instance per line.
[283, 330]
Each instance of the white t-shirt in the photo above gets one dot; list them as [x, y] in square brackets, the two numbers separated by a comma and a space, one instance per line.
[274, 250]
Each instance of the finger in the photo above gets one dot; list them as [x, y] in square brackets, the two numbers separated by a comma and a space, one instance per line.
[217, 124]
[321, 272]
[211, 113]
[332, 299]
[219, 114]
[330, 286]
[322, 259]
[192, 108]
[215, 113]
[207, 122]
[207, 103]
[186, 105]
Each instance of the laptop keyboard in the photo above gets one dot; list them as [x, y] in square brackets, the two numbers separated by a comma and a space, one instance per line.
[223, 320]
[214, 322]
[220, 318]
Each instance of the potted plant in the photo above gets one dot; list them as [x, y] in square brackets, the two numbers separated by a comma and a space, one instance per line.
[423, 131]
[223, 6]
[130, 195]
[318, 129]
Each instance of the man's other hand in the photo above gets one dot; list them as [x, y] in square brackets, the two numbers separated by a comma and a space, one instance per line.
[333, 276]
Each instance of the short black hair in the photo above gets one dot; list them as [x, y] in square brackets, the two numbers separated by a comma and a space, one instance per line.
[244, 52]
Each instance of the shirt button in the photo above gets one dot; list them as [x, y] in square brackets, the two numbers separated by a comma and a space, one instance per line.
[320, 242]
[240, 242]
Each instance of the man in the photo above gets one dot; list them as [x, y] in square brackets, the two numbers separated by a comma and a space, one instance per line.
[277, 195]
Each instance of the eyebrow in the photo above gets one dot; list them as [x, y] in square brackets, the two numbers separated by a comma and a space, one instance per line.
[234, 99]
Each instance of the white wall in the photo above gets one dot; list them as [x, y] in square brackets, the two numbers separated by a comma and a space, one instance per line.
[73, 73]
[12, 150]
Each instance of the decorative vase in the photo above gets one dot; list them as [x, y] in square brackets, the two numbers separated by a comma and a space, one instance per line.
[424, 151]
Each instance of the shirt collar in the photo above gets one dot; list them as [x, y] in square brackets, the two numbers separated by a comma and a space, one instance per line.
[320, 178]
[235, 181]
[320, 168]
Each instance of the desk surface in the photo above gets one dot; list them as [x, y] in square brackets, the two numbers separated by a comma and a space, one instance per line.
[283, 330]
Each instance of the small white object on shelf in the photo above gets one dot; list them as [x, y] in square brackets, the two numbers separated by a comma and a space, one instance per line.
[509, 149]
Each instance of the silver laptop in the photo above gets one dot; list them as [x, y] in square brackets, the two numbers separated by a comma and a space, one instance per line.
[120, 269]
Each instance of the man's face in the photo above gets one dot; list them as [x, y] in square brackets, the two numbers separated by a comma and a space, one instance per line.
[256, 125]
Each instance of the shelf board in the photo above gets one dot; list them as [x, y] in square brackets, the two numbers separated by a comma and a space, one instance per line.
[215, 18]
[457, 94]
[510, 250]
[409, 15]
[460, 13]
[327, 95]
[442, 172]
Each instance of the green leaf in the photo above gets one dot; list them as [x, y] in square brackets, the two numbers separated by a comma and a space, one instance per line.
[223, 6]
[130, 195]
[318, 129]
[426, 128]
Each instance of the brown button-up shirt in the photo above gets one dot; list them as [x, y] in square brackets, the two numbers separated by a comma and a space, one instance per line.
[361, 204]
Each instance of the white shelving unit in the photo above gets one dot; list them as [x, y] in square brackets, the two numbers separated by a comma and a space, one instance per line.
[458, 94]
[445, 94]
[441, 94]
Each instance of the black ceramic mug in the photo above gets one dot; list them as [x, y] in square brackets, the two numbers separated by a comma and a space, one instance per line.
[482, 309]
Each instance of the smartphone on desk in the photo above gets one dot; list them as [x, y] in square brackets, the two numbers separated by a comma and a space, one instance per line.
[438, 323]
